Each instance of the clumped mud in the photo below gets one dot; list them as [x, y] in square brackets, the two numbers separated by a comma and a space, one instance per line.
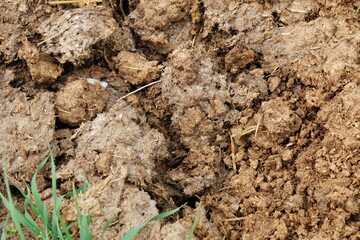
[80, 100]
[20, 116]
[42, 68]
[254, 118]
[136, 69]
[70, 35]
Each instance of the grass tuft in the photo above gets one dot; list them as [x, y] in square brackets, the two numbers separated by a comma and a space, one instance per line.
[40, 222]
[36, 218]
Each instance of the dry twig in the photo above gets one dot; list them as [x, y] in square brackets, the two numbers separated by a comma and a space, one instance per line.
[139, 89]
[74, 2]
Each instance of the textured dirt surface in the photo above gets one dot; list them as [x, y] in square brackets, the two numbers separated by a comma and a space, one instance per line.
[254, 118]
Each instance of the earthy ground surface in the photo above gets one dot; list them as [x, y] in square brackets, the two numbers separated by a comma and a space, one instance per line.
[255, 119]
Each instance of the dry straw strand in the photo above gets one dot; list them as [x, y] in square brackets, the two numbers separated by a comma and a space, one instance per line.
[74, 2]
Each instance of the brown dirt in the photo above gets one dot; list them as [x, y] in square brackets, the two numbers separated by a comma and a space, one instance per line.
[255, 119]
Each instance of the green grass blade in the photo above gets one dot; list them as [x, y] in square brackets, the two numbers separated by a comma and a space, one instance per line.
[66, 229]
[18, 218]
[11, 205]
[85, 233]
[36, 230]
[83, 220]
[132, 232]
[107, 225]
[193, 227]
[39, 204]
[58, 223]
[56, 227]
[3, 234]
[81, 189]
[28, 204]
[57, 234]
[358, 10]
[28, 201]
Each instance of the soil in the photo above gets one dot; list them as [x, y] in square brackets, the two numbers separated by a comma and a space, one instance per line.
[254, 116]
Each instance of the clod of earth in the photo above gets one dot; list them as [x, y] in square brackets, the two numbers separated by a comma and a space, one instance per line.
[70, 35]
[43, 69]
[79, 101]
[135, 69]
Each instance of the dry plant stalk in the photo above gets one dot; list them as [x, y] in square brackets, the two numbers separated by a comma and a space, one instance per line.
[233, 151]
[78, 2]
[139, 89]
[242, 133]
[234, 219]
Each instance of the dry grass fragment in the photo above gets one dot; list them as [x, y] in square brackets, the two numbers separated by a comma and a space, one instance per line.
[77, 2]
[239, 135]
[234, 219]
[139, 89]
[232, 142]
[233, 151]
